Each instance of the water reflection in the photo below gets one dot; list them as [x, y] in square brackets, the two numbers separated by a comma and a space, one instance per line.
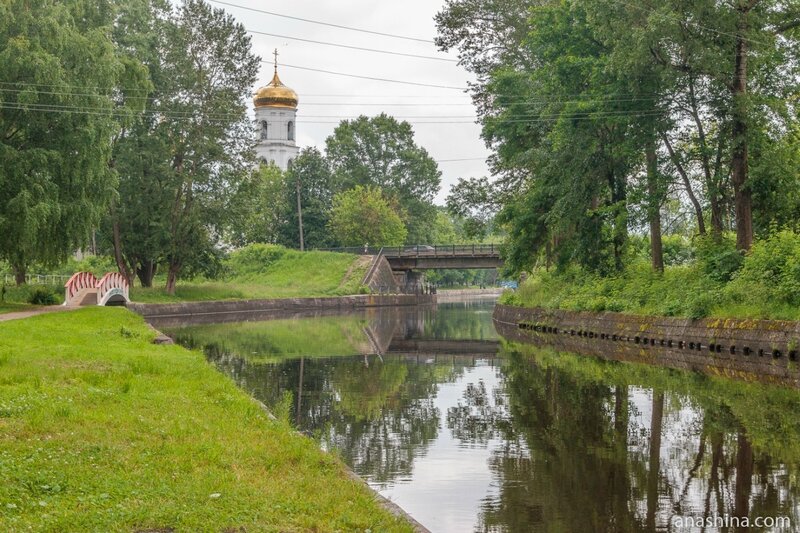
[468, 433]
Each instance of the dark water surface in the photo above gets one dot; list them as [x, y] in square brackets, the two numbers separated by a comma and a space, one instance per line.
[467, 433]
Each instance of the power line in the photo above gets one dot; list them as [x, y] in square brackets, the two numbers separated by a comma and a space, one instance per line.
[321, 23]
[404, 82]
[445, 119]
[463, 159]
[339, 45]
[117, 112]
[361, 104]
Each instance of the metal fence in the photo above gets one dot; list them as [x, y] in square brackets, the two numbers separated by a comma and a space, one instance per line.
[423, 250]
[38, 279]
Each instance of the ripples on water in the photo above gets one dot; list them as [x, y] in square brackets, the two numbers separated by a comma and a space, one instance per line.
[468, 433]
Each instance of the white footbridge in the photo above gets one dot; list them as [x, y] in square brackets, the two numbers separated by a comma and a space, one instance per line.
[83, 288]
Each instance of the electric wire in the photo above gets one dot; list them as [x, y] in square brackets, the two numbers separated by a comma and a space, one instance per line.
[321, 23]
[351, 47]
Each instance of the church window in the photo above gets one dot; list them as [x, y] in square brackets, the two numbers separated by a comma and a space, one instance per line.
[264, 130]
[291, 130]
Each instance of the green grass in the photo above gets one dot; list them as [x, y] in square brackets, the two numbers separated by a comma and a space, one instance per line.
[276, 340]
[102, 431]
[13, 307]
[711, 279]
[280, 274]
[682, 291]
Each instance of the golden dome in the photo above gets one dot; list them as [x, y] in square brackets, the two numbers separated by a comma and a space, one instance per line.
[276, 94]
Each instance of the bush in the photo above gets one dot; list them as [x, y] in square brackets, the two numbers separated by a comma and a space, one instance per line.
[42, 295]
[719, 260]
[254, 259]
[771, 270]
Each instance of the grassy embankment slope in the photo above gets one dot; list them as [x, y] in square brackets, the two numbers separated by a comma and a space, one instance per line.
[102, 431]
[263, 271]
[717, 282]
[255, 272]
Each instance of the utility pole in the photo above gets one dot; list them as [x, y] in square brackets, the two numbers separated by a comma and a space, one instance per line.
[300, 215]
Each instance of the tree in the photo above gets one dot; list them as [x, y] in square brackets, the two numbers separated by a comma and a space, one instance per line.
[311, 171]
[381, 152]
[58, 114]
[256, 211]
[199, 139]
[363, 216]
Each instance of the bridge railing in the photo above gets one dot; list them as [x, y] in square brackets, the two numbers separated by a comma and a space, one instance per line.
[424, 250]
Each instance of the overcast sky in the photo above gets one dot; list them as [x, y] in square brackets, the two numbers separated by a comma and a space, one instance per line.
[325, 99]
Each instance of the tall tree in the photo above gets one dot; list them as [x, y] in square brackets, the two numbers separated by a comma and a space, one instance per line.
[196, 122]
[362, 216]
[311, 174]
[58, 114]
[381, 152]
[256, 211]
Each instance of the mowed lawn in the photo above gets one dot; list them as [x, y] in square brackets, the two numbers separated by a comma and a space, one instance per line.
[292, 274]
[100, 430]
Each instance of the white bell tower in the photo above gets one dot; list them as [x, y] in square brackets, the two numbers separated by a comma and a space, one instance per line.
[276, 122]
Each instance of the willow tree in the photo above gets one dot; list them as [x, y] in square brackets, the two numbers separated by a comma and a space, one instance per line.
[61, 96]
[192, 146]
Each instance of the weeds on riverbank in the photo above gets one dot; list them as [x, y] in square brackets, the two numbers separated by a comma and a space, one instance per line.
[102, 431]
[714, 280]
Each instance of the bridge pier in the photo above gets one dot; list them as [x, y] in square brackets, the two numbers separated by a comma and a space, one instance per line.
[411, 280]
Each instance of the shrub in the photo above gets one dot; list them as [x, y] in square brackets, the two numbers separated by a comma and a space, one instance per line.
[42, 295]
[719, 260]
[254, 259]
[771, 269]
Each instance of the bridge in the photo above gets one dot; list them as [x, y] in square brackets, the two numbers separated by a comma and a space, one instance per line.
[83, 288]
[424, 257]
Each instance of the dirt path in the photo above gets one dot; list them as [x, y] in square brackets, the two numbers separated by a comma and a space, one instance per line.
[18, 315]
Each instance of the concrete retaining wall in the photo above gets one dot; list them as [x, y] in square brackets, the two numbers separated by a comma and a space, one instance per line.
[765, 350]
[286, 306]
[380, 277]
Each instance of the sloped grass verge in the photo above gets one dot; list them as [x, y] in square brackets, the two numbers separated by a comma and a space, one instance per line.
[102, 431]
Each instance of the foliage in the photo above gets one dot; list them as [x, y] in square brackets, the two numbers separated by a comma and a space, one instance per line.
[771, 271]
[310, 171]
[257, 209]
[765, 283]
[189, 450]
[55, 181]
[270, 271]
[42, 295]
[254, 259]
[180, 161]
[380, 152]
[719, 259]
[362, 216]
[604, 118]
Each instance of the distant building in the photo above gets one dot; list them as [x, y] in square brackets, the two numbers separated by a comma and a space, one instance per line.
[276, 120]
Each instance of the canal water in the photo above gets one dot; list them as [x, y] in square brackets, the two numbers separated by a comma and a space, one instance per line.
[468, 433]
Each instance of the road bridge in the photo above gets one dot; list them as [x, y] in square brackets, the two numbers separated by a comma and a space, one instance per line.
[425, 257]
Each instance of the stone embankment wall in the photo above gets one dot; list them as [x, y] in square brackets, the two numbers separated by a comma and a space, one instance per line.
[379, 277]
[459, 294]
[764, 350]
[276, 307]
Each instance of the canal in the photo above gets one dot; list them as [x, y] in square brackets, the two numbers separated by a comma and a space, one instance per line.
[467, 432]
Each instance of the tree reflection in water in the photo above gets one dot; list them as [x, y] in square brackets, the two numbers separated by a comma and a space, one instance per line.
[570, 443]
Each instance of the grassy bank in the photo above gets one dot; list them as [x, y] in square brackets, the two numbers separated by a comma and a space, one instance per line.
[102, 431]
[262, 271]
[718, 282]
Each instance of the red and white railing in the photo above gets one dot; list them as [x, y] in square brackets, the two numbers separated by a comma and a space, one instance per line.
[112, 285]
[112, 288]
[78, 285]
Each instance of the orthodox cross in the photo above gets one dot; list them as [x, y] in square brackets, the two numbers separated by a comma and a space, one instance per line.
[276, 59]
